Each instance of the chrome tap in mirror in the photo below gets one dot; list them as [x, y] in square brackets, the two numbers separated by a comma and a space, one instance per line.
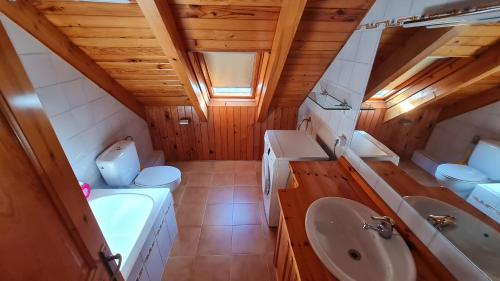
[384, 227]
[441, 221]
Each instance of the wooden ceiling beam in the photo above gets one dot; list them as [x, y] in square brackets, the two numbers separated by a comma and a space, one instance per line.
[470, 103]
[288, 22]
[419, 46]
[28, 18]
[162, 22]
[483, 65]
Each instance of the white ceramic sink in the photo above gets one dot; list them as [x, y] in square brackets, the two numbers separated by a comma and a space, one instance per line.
[334, 227]
[477, 240]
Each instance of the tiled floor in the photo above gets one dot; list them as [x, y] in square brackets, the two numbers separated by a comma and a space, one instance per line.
[223, 234]
[418, 174]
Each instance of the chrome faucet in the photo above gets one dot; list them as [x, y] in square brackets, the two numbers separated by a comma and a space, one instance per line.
[441, 221]
[384, 228]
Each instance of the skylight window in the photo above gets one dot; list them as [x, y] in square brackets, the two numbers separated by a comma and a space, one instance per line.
[233, 92]
[231, 74]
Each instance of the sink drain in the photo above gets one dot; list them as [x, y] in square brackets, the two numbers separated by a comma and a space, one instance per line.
[355, 255]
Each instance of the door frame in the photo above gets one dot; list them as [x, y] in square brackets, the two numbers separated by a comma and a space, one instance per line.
[23, 110]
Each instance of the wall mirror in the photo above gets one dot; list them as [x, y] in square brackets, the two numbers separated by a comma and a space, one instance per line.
[430, 123]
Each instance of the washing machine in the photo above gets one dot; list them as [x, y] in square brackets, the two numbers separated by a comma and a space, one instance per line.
[281, 147]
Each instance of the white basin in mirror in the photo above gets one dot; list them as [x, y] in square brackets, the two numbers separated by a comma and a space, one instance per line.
[334, 227]
[477, 240]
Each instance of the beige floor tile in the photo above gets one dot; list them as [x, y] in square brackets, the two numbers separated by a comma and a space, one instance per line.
[246, 195]
[222, 179]
[177, 194]
[248, 239]
[182, 165]
[211, 268]
[269, 258]
[270, 237]
[195, 195]
[186, 242]
[190, 214]
[201, 166]
[249, 268]
[215, 240]
[418, 174]
[246, 213]
[218, 214]
[220, 195]
[179, 269]
[246, 166]
[224, 166]
[198, 179]
[246, 178]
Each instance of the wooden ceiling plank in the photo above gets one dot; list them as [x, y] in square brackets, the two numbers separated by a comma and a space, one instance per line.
[226, 12]
[416, 48]
[176, 101]
[28, 18]
[470, 103]
[222, 35]
[161, 20]
[259, 3]
[115, 42]
[224, 46]
[288, 23]
[226, 24]
[88, 8]
[98, 21]
[135, 65]
[107, 32]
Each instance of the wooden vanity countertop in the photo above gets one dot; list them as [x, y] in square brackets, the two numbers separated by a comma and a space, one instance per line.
[405, 185]
[317, 179]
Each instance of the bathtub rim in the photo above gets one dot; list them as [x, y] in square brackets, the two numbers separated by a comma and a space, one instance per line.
[161, 200]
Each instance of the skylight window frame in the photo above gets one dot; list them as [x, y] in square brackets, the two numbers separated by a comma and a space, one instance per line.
[254, 80]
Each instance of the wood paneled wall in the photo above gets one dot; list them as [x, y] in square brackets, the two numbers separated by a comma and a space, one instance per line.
[231, 132]
[404, 134]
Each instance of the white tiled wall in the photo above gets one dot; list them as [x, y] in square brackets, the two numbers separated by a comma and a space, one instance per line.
[452, 139]
[85, 118]
[346, 78]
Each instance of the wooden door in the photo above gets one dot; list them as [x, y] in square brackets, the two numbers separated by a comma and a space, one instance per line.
[47, 230]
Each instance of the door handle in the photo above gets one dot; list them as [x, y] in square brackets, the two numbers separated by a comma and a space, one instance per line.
[107, 259]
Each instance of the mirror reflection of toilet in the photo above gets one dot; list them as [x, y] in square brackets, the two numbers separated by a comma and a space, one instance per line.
[483, 167]
[119, 166]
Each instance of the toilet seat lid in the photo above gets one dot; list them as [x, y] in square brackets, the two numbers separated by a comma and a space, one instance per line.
[157, 176]
[461, 173]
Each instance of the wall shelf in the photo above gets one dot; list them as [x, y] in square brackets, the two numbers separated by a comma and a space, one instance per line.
[328, 102]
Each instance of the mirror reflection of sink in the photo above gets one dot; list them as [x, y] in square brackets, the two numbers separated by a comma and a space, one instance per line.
[477, 240]
[334, 227]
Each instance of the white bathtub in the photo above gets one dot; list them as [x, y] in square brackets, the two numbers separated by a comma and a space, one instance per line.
[126, 217]
[368, 148]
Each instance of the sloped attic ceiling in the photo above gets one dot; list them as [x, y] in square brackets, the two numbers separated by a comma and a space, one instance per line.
[463, 67]
[118, 37]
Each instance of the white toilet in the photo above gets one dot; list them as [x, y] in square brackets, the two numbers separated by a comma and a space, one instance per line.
[119, 166]
[483, 167]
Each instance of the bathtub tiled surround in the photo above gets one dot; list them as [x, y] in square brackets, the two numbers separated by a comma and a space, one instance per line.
[453, 259]
[85, 118]
[451, 139]
[145, 233]
[150, 265]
